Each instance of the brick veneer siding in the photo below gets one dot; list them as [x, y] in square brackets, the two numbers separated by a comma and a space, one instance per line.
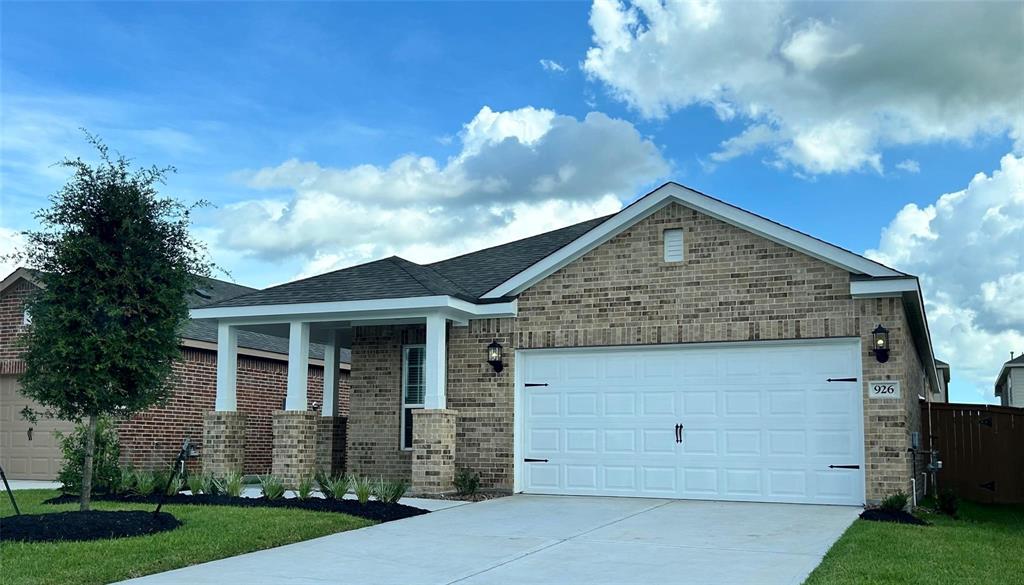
[12, 303]
[434, 447]
[152, 438]
[296, 434]
[223, 442]
[483, 399]
[732, 286]
[374, 422]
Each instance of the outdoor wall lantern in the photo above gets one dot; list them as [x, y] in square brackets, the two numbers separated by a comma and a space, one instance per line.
[880, 342]
[494, 356]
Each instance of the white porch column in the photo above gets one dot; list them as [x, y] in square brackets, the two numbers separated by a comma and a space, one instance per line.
[227, 367]
[331, 350]
[435, 368]
[298, 365]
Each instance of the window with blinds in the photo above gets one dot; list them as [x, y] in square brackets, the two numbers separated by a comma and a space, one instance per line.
[673, 245]
[413, 388]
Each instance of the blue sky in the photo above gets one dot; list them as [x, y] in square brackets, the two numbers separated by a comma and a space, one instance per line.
[329, 134]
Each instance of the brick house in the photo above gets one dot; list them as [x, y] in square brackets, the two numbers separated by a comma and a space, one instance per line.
[152, 438]
[681, 347]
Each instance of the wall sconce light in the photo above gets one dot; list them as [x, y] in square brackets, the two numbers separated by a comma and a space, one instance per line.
[880, 343]
[494, 356]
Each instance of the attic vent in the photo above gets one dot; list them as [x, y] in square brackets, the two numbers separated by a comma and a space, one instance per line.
[673, 245]
[204, 293]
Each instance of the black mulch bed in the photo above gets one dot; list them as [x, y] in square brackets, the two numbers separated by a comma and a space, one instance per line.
[899, 517]
[372, 510]
[92, 525]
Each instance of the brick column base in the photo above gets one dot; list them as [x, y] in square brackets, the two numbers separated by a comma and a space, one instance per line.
[223, 442]
[295, 444]
[433, 445]
[325, 445]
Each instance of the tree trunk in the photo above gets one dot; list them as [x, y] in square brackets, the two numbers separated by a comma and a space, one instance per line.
[90, 449]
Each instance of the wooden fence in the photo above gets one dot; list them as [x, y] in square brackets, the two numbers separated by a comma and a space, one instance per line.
[981, 448]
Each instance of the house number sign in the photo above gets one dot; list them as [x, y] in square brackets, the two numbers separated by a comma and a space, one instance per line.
[883, 389]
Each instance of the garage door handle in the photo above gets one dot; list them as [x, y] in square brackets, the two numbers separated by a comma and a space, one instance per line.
[679, 433]
[528, 460]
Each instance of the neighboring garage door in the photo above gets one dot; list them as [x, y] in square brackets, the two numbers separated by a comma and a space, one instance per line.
[760, 422]
[25, 454]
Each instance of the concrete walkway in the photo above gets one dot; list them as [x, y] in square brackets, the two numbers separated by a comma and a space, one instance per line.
[31, 484]
[553, 539]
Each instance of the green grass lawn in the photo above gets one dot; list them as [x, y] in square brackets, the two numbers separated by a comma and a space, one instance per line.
[207, 533]
[984, 546]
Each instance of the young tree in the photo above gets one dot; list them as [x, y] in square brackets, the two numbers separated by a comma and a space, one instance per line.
[116, 261]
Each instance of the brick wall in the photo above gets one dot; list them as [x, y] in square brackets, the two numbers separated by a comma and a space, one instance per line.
[374, 421]
[153, 438]
[12, 303]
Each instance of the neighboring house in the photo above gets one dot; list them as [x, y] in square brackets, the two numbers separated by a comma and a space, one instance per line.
[941, 392]
[1010, 382]
[680, 348]
[152, 438]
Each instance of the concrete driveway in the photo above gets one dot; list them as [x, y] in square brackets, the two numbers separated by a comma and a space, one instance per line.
[553, 539]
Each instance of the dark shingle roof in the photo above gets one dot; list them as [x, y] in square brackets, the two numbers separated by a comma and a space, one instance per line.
[211, 290]
[467, 277]
[941, 363]
[1019, 360]
[481, 271]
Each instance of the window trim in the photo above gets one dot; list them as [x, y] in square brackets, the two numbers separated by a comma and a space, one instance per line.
[402, 404]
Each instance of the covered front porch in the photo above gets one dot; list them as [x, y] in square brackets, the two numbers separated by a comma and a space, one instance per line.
[400, 424]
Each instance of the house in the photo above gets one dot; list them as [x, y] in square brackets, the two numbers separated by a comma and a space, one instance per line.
[1010, 382]
[941, 393]
[152, 438]
[681, 348]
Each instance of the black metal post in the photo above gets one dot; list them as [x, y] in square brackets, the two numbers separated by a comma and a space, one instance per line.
[10, 492]
[182, 455]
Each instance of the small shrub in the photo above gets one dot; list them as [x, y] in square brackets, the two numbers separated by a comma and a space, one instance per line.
[334, 487]
[196, 483]
[106, 472]
[232, 484]
[948, 502]
[175, 485]
[272, 487]
[145, 483]
[388, 491]
[363, 487]
[210, 485]
[467, 482]
[126, 484]
[305, 488]
[895, 502]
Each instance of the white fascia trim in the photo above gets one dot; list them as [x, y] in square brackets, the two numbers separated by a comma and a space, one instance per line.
[889, 287]
[672, 192]
[356, 310]
[18, 274]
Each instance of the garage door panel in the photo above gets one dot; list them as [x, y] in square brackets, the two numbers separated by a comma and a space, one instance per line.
[760, 423]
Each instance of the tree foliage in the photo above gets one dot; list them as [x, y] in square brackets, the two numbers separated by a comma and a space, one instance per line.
[116, 262]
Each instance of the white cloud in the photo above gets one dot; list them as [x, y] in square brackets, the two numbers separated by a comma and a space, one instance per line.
[827, 87]
[553, 66]
[518, 173]
[968, 249]
[10, 241]
[909, 165]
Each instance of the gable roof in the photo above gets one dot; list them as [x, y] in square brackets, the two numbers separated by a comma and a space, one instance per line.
[675, 193]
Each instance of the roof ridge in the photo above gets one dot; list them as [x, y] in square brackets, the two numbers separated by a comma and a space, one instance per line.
[458, 289]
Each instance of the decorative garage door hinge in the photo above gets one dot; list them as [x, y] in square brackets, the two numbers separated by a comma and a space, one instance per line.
[528, 460]
[529, 384]
[841, 380]
[844, 466]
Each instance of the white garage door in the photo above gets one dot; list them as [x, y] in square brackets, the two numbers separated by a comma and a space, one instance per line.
[754, 422]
